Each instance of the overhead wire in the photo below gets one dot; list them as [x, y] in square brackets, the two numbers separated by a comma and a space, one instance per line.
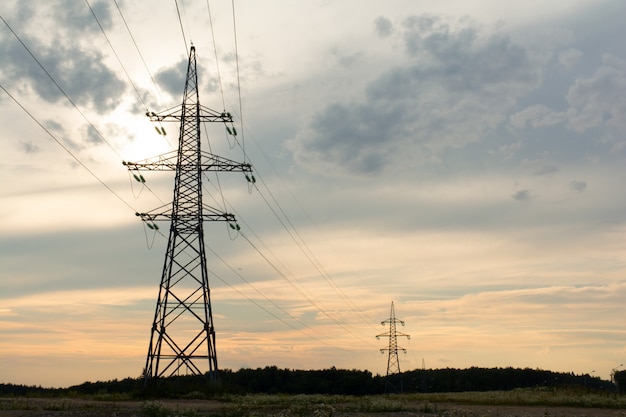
[243, 146]
[182, 30]
[306, 249]
[266, 298]
[59, 87]
[116, 55]
[217, 63]
[310, 255]
[285, 275]
[43, 68]
[65, 148]
[130, 33]
[314, 260]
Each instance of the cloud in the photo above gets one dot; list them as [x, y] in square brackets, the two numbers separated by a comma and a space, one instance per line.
[460, 82]
[598, 101]
[579, 186]
[76, 18]
[29, 147]
[522, 195]
[383, 27]
[173, 78]
[537, 115]
[79, 70]
[570, 57]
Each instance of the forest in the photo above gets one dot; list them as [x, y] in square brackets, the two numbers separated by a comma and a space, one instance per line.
[273, 380]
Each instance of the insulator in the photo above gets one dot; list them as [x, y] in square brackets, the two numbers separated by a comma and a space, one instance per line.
[137, 178]
[248, 178]
[148, 114]
[234, 131]
[232, 226]
[238, 228]
[157, 129]
[230, 132]
[253, 179]
[163, 130]
[150, 226]
[155, 226]
[229, 115]
[142, 178]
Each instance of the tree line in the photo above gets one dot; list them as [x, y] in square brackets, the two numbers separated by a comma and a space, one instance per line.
[274, 380]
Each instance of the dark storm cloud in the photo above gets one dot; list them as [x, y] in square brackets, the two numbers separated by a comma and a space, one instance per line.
[461, 83]
[78, 69]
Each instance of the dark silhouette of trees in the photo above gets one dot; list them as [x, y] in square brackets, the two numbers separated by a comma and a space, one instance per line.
[273, 380]
[620, 381]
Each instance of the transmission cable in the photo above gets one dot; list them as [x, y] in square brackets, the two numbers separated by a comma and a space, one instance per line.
[59, 87]
[140, 54]
[308, 253]
[266, 298]
[181, 25]
[116, 56]
[69, 98]
[310, 300]
[217, 64]
[305, 249]
[243, 145]
[67, 150]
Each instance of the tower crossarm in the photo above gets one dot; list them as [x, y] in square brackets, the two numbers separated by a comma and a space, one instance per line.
[169, 162]
[208, 214]
[226, 217]
[175, 114]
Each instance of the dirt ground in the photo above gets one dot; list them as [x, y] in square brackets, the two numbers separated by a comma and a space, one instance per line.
[65, 407]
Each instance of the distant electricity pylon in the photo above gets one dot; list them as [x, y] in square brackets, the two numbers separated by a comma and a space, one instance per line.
[393, 363]
[182, 339]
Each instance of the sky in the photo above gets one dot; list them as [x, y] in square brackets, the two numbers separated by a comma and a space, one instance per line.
[461, 159]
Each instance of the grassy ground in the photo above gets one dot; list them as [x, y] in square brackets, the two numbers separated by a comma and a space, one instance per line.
[523, 403]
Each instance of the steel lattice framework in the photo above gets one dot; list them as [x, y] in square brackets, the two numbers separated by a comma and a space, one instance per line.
[393, 363]
[182, 339]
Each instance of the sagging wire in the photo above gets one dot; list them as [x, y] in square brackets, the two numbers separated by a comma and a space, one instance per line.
[138, 178]
[150, 244]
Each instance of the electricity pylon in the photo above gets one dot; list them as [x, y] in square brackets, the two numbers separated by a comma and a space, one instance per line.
[182, 339]
[393, 363]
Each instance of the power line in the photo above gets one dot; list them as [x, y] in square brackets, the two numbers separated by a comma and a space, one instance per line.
[69, 98]
[243, 146]
[181, 24]
[217, 64]
[116, 56]
[140, 54]
[59, 87]
[267, 299]
[66, 149]
[310, 255]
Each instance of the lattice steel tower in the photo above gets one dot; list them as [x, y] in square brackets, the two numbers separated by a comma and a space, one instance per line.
[393, 363]
[182, 339]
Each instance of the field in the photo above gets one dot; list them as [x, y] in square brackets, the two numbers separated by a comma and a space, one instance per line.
[516, 403]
